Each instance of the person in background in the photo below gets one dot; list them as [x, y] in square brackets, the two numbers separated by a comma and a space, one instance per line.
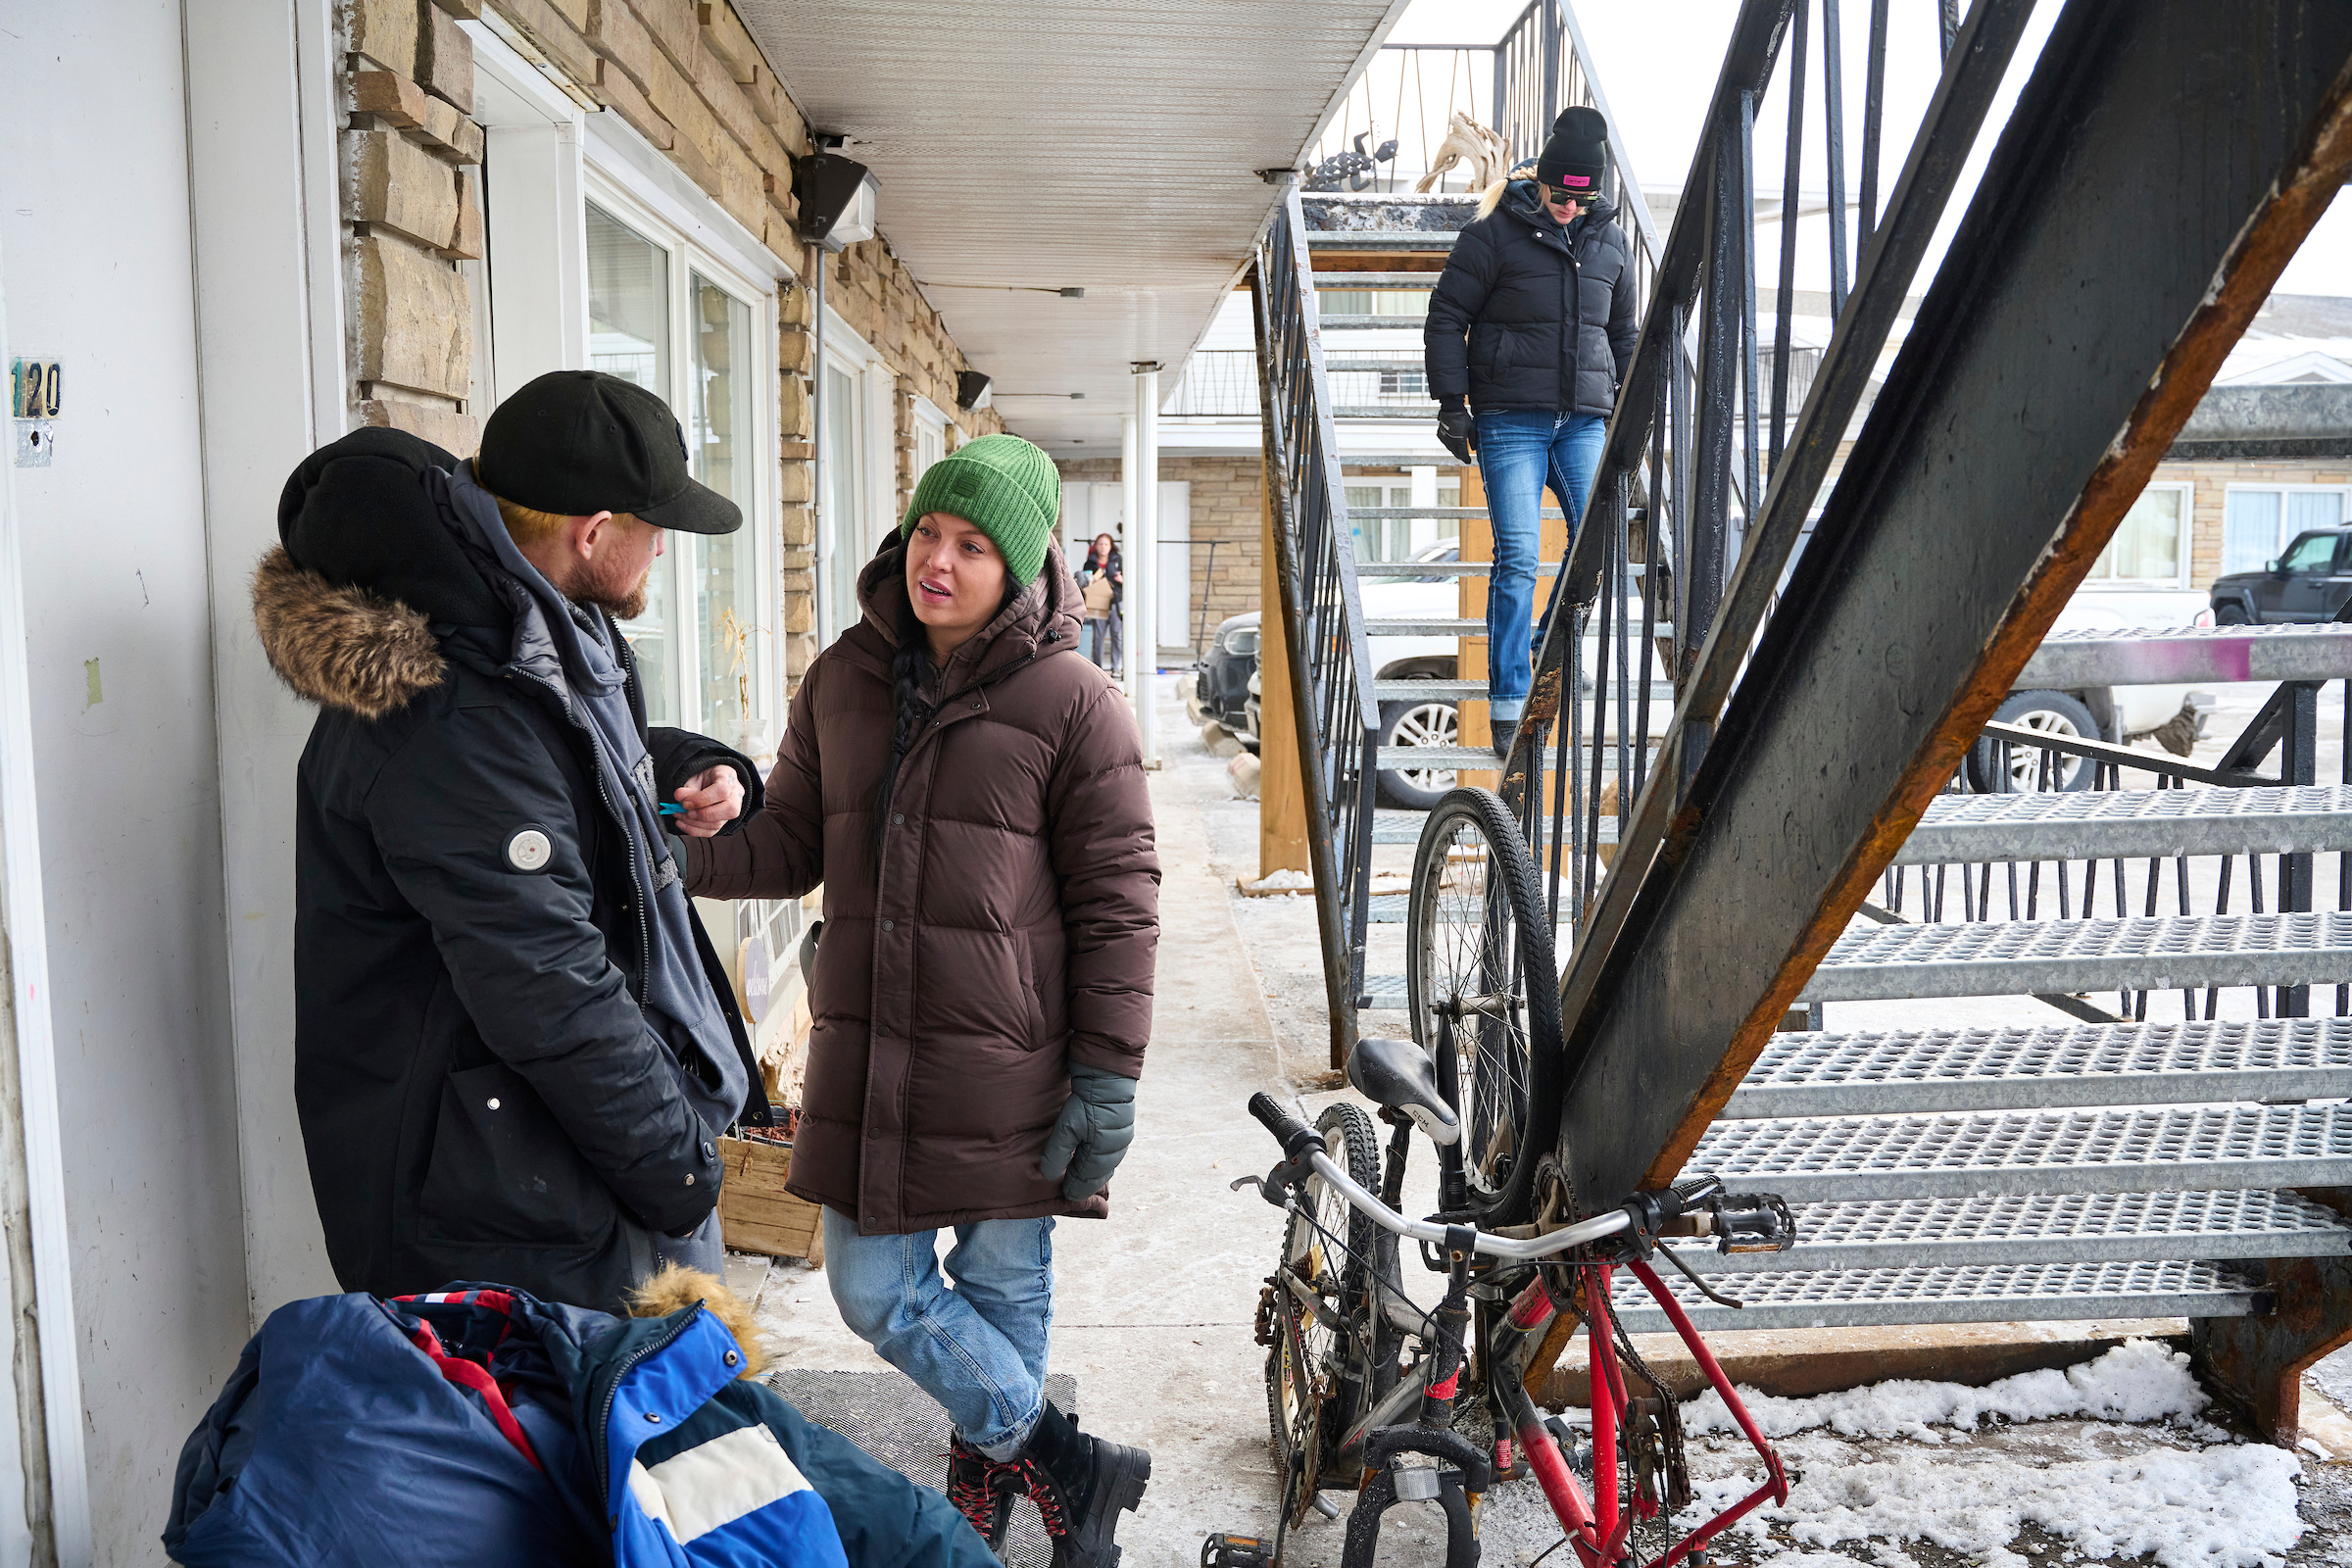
[1099, 592]
[1103, 564]
[513, 1045]
[970, 795]
[1530, 330]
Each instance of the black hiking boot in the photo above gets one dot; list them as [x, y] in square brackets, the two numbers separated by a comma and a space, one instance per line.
[977, 1486]
[1504, 729]
[1079, 1484]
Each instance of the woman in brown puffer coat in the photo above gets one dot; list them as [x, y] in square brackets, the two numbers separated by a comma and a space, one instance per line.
[970, 793]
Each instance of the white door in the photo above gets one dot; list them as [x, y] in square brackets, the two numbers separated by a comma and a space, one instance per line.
[1178, 616]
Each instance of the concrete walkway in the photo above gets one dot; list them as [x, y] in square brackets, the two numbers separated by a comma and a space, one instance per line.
[1153, 1307]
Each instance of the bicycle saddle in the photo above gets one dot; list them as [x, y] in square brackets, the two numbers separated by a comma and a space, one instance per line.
[1399, 1075]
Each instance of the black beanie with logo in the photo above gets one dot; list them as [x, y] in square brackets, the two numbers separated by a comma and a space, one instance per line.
[1577, 153]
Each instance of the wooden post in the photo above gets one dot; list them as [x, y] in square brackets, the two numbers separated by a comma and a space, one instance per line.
[1281, 785]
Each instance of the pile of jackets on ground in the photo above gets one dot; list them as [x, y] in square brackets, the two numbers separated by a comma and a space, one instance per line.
[476, 1424]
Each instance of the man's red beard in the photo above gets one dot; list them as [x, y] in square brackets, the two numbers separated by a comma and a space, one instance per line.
[625, 600]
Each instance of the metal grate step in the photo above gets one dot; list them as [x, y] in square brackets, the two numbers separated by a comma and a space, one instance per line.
[1462, 691]
[1418, 759]
[1455, 512]
[2009, 958]
[1370, 323]
[1379, 239]
[2090, 824]
[2027, 1292]
[1447, 626]
[1385, 991]
[1454, 626]
[1440, 568]
[2067, 661]
[1878, 1072]
[2083, 1228]
[1382, 280]
[2136, 1150]
[1388, 908]
[1396, 825]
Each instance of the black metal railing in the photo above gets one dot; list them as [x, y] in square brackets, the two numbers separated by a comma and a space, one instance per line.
[1672, 577]
[1337, 723]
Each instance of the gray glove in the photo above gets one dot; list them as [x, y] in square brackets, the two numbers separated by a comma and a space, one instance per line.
[1098, 1123]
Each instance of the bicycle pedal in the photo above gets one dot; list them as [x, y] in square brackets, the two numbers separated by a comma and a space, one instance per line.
[1236, 1551]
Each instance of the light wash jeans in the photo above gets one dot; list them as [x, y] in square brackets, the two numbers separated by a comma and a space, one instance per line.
[1519, 453]
[979, 1348]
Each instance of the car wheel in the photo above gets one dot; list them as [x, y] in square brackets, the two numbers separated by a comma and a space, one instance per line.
[1429, 721]
[2231, 614]
[2052, 714]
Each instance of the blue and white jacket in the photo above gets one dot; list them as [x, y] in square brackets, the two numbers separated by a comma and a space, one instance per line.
[478, 1424]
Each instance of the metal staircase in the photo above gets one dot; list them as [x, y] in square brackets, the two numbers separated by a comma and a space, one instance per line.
[1849, 601]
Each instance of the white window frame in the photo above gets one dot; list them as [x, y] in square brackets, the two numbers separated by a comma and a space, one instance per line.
[844, 545]
[2281, 489]
[682, 557]
[930, 435]
[2188, 491]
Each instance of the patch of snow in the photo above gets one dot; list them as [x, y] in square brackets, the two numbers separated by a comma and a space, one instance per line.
[2138, 1380]
[1282, 882]
[2231, 1506]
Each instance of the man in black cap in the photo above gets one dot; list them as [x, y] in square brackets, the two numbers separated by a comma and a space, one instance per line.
[1530, 330]
[514, 1047]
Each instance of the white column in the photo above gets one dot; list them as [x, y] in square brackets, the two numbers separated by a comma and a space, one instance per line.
[1129, 511]
[1142, 561]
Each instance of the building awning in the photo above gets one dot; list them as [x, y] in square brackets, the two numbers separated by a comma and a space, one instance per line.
[1026, 148]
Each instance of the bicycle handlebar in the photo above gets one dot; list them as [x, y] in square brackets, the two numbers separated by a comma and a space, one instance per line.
[1295, 1136]
[1519, 1249]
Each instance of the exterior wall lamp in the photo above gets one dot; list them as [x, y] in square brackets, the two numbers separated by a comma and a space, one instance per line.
[837, 195]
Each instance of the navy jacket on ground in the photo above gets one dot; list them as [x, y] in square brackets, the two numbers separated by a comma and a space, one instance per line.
[480, 1425]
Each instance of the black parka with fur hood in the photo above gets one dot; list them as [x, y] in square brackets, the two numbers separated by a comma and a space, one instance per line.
[481, 1096]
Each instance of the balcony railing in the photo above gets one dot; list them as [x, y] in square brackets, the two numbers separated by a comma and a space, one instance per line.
[1222, 385]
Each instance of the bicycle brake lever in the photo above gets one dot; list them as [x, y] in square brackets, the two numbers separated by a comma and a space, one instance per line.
[1273, 1192]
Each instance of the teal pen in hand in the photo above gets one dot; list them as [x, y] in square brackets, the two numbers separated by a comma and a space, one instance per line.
[673, 808]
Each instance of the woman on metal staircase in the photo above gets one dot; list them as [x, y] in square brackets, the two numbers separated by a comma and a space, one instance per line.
[969, 793]
[1530, 330]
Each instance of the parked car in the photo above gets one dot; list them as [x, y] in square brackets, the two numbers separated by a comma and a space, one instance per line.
[2174, 716]
[2311, 581]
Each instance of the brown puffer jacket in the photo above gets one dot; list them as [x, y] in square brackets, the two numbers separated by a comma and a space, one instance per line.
[1013, 928]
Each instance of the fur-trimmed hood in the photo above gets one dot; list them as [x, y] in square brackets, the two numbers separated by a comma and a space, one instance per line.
[368, 564]
[343, 648]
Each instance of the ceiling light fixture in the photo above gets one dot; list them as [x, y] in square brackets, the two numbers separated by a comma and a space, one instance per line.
[837, 195]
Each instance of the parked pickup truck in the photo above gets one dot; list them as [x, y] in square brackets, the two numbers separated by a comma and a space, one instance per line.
[2311, 581]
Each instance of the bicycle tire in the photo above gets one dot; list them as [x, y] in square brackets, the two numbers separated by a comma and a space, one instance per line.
[1307, 1397]
[1467, 936]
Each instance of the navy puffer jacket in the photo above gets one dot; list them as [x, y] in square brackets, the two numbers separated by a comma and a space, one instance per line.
[1529, 315]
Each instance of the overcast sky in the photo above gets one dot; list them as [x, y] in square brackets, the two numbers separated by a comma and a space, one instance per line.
[1657, 61]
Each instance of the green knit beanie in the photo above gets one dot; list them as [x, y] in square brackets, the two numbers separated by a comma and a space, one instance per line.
[1005, 487]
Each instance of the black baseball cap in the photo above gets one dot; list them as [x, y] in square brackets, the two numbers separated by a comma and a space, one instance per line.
[573, 442]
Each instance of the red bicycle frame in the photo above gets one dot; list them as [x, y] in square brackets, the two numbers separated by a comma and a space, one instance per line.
[1597, 1528]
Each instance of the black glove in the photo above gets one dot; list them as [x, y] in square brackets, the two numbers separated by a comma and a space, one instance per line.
[1458, 433]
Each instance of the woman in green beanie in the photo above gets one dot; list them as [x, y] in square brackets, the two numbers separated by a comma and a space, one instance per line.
[969, 793]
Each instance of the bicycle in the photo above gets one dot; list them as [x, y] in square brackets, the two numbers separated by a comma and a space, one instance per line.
[1347, 1399]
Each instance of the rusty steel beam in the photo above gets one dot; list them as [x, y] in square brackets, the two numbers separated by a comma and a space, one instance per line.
[2164, 161]
[2259, 1362]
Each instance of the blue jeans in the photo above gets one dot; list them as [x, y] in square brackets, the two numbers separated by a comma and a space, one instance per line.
[1519, 453]
[980, 1348]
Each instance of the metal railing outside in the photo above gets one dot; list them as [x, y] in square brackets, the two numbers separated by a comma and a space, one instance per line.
[1328, 661]
[1222, 385]
[1716, 401]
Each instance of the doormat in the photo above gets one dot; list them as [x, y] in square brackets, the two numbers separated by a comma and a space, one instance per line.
[885, 1414]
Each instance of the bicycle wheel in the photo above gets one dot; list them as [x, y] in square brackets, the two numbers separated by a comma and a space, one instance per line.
[1479, 950]
[1316, 1320]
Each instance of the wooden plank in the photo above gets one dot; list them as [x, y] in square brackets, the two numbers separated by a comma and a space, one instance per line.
[1281, 788]
[756, 1213]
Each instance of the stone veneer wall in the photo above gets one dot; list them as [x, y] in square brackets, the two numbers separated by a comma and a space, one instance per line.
[689, 79]
[1227, 509]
